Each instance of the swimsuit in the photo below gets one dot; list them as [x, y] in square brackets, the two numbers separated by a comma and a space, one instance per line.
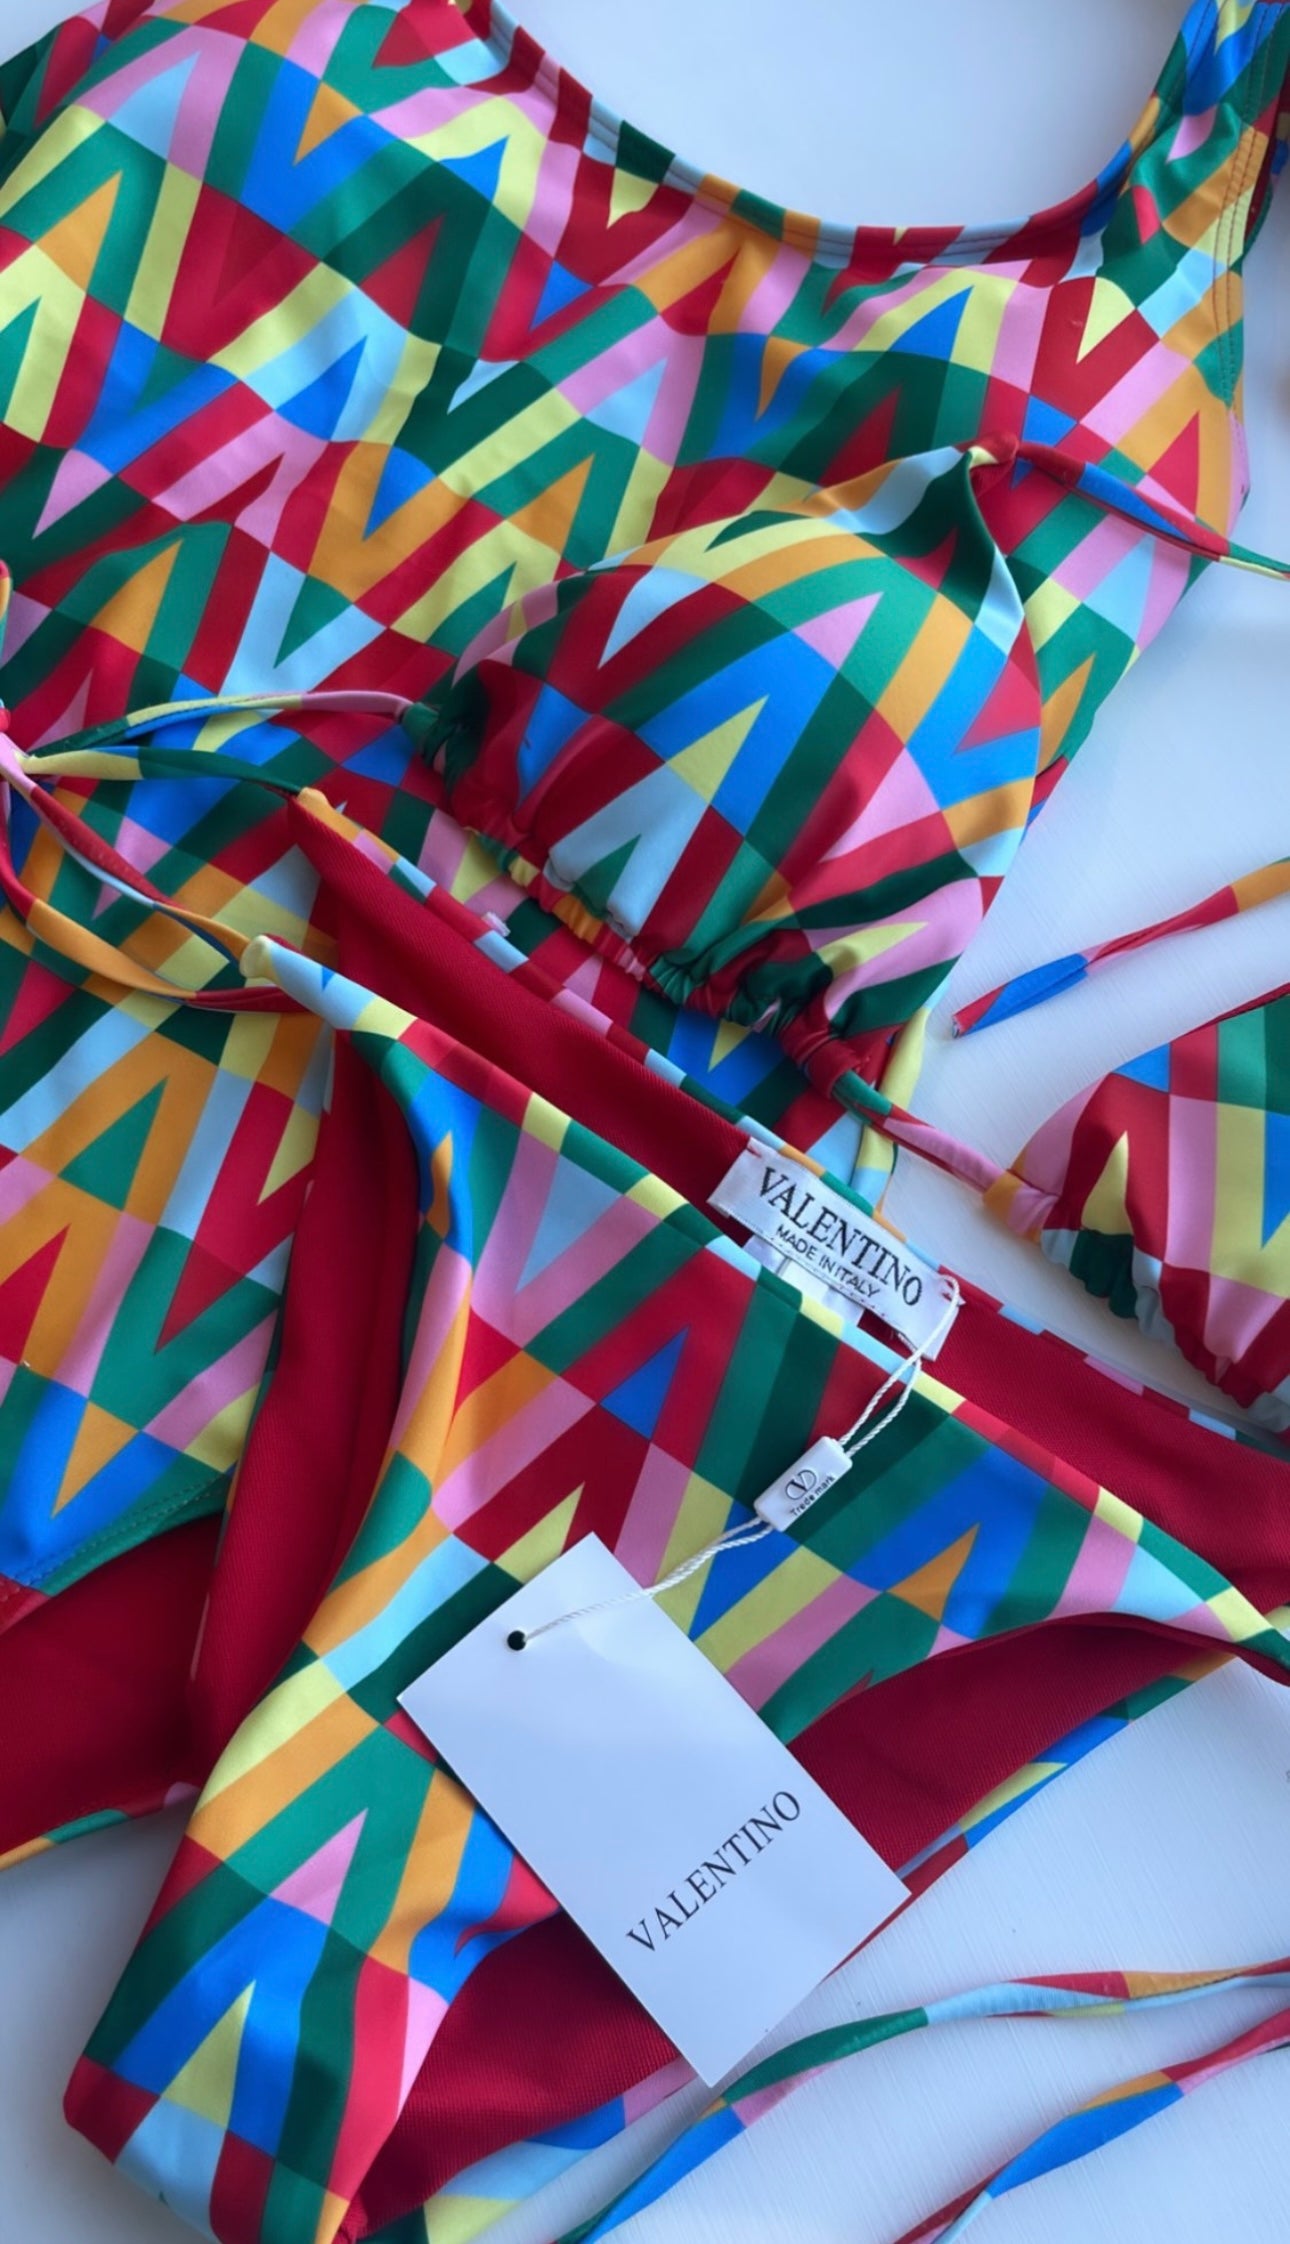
[624, 521]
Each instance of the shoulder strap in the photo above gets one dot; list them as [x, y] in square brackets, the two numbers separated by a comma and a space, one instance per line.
[1212, 142]
[1024, 990]
[1089, 1994]
[129, 748]
[1151, 510]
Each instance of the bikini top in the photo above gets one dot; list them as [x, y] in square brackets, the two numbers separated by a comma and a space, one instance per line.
[776, 762]
[759, 764]
[1165, 1186]
[777, 766]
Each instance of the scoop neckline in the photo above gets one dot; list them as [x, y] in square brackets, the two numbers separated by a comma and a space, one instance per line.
[828, 241]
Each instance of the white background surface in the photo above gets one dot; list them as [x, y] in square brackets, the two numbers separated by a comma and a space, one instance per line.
[1168, 1848]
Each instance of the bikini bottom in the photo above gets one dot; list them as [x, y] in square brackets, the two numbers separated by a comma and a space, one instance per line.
[512, 1319]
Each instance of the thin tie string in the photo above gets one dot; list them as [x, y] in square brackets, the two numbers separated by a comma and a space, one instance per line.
[857, 1437]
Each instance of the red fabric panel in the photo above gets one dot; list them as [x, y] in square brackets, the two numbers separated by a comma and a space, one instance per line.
[314, 1451]
[93, 1685]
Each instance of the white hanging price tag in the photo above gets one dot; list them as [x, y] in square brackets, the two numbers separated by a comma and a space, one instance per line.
[712, 1873]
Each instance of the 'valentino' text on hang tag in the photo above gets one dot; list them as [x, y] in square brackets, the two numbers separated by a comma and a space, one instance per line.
[855, 1261]
[707, 1867]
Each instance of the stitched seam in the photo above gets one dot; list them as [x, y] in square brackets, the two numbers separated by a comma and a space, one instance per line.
[830, 243]
[150, 1516]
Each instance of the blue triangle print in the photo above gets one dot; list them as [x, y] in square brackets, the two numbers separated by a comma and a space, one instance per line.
[935, 334]
[575, 1201]
[655, 590]
[148, 116]
[183, 2147]
[480, 171]
[386, 758]
[736, 1576]
[552, 721]
[560, 288]
[640, 1398]
[1150, 1069]
[1276, 1173]
[1122, 596]
[318, 408]
[401, 478]
[478, 379]
[627, 412]
[1044, 424]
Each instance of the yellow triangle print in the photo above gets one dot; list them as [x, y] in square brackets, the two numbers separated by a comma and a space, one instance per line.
[871, 942]
[1105, 1209]
[629, 194]
[294, 1151]
[704, 764]
[1109, 307]
[219, 1443]
[544, 1542]
[451, 2219]
[729, 1035]
[205, 2084]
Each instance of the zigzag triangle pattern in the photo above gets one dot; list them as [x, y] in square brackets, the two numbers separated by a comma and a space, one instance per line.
[354, 1890]
[356, 349]
[1166, 1191]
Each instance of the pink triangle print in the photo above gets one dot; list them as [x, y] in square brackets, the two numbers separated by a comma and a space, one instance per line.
[315, 1887]
[834, 634]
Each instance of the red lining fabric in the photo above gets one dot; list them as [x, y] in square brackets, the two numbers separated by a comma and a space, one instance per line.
[314, 1451]
[94, 1686]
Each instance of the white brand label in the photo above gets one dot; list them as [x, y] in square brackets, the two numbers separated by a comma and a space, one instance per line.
[857, 1261]
[707, 1867]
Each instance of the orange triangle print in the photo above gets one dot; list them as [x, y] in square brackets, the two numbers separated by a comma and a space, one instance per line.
[549, 517]
[74, 243]
[99, 1438]
[129, 616]
[928, 1590]
[776, 358]
[328, 111]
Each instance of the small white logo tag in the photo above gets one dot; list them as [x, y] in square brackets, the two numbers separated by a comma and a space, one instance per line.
[804, 1483]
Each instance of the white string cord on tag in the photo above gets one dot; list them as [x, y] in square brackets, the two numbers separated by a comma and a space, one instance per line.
[856, 1438]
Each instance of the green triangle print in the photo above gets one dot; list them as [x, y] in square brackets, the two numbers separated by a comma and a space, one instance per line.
[597, 884]
[316, 605]
[107, 1167]
[166, 370]
[14, 339]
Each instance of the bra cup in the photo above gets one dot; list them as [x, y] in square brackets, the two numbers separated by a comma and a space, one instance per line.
[778, 763]
[1165, 1189]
